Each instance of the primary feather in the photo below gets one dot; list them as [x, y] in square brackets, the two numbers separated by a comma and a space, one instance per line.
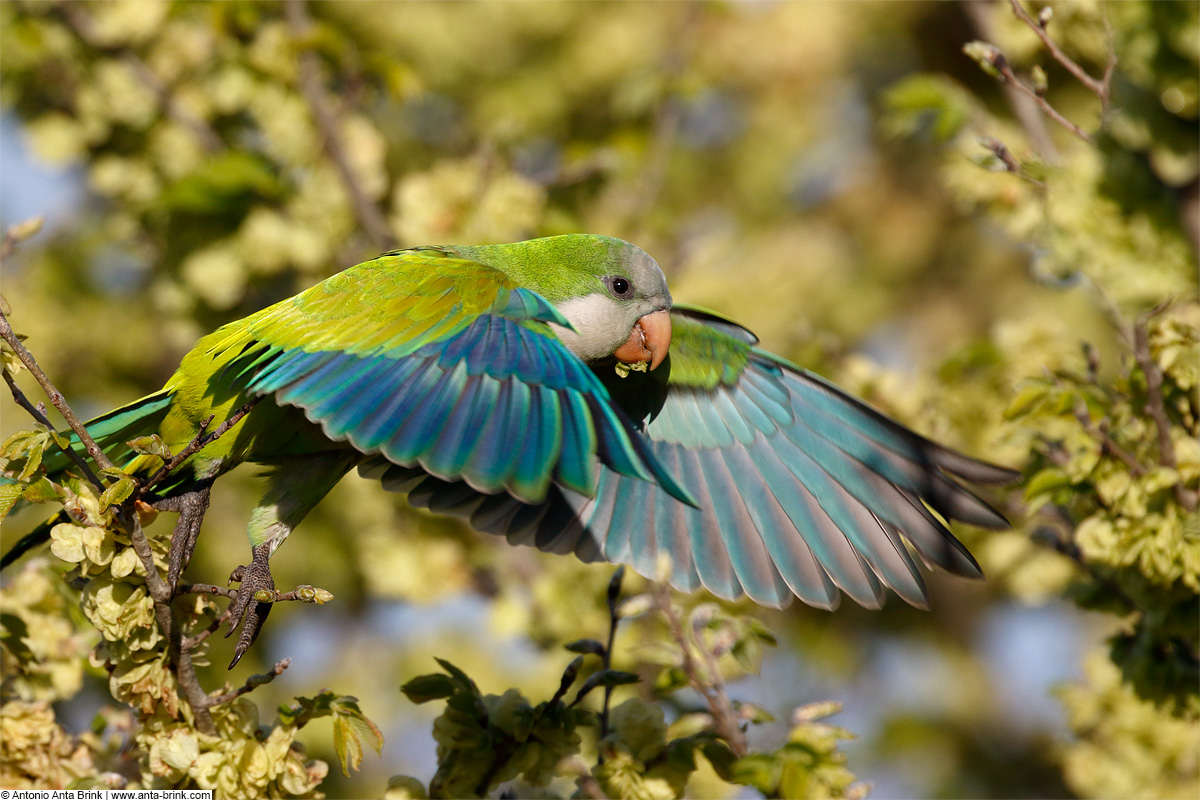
[480, 381]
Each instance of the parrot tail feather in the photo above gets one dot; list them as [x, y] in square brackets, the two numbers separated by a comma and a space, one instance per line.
[112, 432]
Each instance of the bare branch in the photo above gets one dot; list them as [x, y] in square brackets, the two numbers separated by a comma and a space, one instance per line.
[1101, 88]
[206, 588]
[82, 25]
[667, 119]
[55, 396]
[1107, 443]
[1005, 156]
[1156, 408]
[39, 414]
[710, 686]
[368, 214]
[252, 683]
[980, 14]
[1007, 75]
[199, 442]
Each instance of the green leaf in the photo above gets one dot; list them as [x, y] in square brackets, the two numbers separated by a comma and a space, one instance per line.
[752, 713]
[118, 491]
[669, 680]
[222, 181]
[33, 457]
[759, 770]
[151, 445]
[927, 103]
[424, 688]
[755, 627]
[1046, 480]
[720, 756]
[350, 727]
[347, 746]
[585, 646]
[1028, 397]
[568, 678]
[9, 494]
[454, 671]
[43, 490]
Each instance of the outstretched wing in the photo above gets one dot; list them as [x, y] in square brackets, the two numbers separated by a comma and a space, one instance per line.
[445, 365]
[800, 488]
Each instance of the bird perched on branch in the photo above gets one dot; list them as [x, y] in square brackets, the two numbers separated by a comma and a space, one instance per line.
[549, 392]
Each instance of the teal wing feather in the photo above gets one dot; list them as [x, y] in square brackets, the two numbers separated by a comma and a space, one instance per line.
[801, 490]
[445, 364]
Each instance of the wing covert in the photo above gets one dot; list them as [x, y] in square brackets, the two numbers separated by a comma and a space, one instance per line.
[445, 364]
[801, 489]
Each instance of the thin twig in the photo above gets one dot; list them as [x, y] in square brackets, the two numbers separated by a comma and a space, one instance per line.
[1002, 66]
[253, 682]
[587, 782]
[301, 594]
[205, 588]
[1107, 443]
[55, 396]
[980, 14]
[84, 28]
[1157, 409]
[368, 214]
[190, 643]
[1101, 88]
[668, 117]
[614, 592]
[712, 689]
[199, 442]
[1005, 156]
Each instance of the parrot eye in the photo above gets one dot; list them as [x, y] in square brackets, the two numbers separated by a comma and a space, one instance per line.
[620, 287]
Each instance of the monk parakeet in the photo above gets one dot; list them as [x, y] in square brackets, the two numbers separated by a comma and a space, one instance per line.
[549, 392]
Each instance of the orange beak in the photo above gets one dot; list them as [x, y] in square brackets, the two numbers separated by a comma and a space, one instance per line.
[648, 341]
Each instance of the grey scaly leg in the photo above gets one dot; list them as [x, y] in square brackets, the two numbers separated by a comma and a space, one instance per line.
[295, 486]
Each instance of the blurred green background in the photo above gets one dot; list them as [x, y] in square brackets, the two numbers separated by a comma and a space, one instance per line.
[813, 170]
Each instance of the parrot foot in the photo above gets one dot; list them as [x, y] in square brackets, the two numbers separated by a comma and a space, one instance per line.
[246, 609]
[191, 508]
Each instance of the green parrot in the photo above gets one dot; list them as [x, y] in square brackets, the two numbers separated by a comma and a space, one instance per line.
[549, 392]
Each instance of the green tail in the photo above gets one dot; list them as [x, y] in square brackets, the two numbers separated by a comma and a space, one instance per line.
[111, 431]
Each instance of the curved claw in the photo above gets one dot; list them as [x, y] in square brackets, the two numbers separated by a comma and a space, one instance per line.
[245, 609]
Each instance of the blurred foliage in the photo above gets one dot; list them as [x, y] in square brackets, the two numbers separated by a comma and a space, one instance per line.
[844, 180]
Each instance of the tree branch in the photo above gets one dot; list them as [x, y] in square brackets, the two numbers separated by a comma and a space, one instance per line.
[1157, 409]
[368, 214]
[55, 396]
[37, 414]
[710, 687]
[1007, 75]
[1107, 443]
[252, 683]
[1101, 88]
[199, 442]
[83, 27]
[980, 15]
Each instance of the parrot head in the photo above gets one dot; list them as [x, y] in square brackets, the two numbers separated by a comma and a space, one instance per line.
[612, 292]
